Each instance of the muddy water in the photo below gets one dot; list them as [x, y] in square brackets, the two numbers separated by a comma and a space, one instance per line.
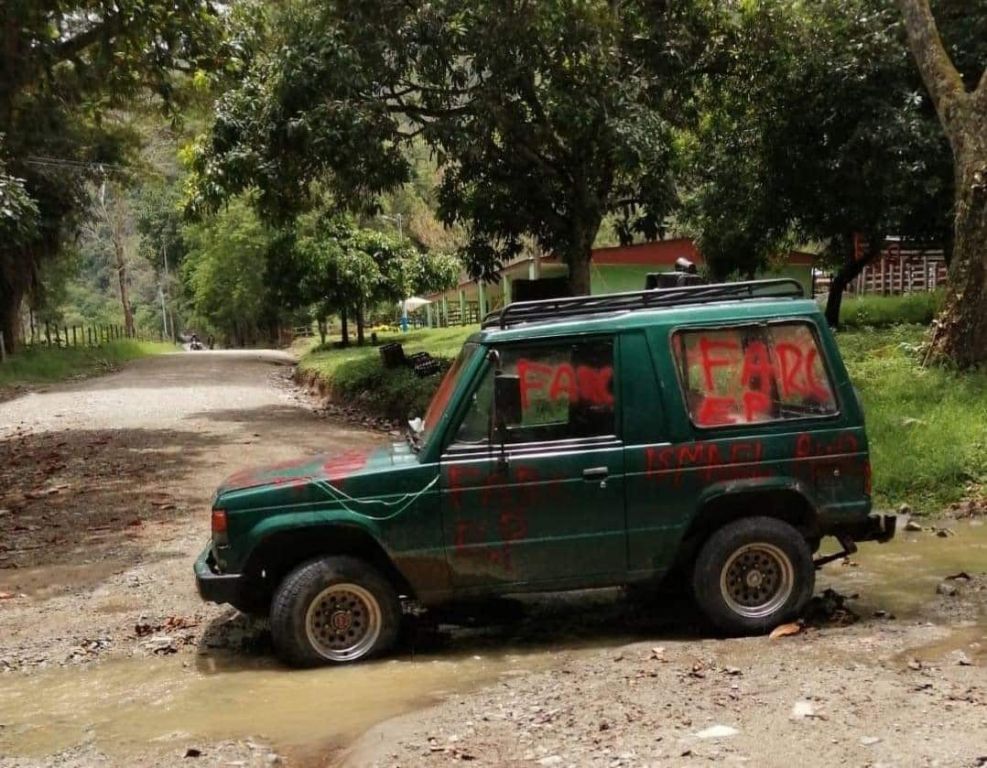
[124, 707]
[127, 708]
[901, 576]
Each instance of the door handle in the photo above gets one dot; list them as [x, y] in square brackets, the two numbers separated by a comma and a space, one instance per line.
[596, 473]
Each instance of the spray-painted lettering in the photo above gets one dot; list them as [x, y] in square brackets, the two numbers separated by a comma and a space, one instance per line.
[734, 381]
[564, 381]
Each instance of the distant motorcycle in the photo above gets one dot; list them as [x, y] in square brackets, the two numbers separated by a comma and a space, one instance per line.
[195, 344]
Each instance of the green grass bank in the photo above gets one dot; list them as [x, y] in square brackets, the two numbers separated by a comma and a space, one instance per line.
[43, 365]
[927, 426]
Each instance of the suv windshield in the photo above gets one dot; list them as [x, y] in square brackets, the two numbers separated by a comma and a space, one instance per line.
[440, 401]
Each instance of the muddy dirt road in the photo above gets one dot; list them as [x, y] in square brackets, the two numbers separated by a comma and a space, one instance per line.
[107, 656]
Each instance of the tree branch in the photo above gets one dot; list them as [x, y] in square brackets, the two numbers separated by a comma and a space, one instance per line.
[75, 45]
[981, 93]
[943, 81]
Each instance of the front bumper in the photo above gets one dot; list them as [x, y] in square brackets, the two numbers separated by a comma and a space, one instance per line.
[216, 587]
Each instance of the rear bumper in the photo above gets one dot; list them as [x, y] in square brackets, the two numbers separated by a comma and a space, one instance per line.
[215, 587]
[878, 528]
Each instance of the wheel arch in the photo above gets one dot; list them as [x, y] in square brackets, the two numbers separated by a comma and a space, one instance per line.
[279, 552]
[785, 503]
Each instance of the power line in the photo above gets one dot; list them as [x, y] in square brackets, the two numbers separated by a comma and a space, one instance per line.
[83, 165]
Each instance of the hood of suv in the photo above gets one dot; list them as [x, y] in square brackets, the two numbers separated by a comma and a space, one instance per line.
[329, 467]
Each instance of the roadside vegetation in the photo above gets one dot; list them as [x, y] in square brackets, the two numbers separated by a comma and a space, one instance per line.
[927, 425]
[44, 365]
[882, 311]
[356, 375]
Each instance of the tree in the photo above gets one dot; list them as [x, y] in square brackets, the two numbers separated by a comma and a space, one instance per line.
[961, 335]
[226, 269]
[544, 117]
[111, 210]
[348, 269]
[811, 130]
[66, 67]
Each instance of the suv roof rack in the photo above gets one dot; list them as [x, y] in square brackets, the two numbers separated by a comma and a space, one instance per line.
[578, 306]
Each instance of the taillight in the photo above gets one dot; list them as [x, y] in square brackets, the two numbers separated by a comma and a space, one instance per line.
[219, 522]
[867, 477]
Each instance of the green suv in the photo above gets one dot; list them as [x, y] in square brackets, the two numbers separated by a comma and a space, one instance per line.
[707, 431]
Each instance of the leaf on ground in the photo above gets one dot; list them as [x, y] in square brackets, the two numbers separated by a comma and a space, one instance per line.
[785, 630]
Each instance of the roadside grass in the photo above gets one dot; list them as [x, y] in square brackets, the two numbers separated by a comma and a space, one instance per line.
[883, 311]
[355, 376]
[43, 365]
[927, 426]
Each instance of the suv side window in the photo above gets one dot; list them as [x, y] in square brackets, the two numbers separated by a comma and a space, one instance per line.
[566, 392]
[753, 374]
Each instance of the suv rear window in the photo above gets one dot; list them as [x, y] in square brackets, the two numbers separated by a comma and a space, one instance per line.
[752, 374]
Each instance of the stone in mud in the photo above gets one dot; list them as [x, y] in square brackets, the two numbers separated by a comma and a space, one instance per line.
[947, 589]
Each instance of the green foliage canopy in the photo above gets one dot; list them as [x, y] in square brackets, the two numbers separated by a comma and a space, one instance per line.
[543, 117]
[66, 68]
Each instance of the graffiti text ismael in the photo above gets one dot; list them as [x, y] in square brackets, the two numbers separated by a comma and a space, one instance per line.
[754, 368]
[573, 383]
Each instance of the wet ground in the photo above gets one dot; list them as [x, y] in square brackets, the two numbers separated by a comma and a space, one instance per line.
[107, 657]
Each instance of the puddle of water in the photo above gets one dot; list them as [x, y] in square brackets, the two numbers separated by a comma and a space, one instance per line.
[901, 576]
[124, 706]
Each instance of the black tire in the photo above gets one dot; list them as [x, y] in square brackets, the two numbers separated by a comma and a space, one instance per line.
[739, 578]
[357, 596]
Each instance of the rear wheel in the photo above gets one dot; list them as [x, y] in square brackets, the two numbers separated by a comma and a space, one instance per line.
[752, 575]
[334, 610]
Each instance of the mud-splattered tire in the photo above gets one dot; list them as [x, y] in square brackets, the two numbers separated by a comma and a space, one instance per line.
[334, 610]
[752, 575]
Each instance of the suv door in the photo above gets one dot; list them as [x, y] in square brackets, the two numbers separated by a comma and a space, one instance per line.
[548, 508]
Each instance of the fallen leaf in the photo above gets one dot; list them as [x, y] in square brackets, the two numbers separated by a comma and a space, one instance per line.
[785, 630]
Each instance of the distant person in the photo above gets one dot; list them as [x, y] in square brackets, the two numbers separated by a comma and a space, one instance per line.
[211, 341]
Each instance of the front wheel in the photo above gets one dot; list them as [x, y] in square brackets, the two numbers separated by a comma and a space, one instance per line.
[334, 610]
[752, 575]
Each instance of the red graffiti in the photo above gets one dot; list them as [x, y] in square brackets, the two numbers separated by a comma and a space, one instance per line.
[581, 383]
[740, 383]
[345, 463]
[807, 446]
[714, 462]
[507, 498]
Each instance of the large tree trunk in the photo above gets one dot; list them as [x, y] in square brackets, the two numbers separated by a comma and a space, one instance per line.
[961, 334]
[10, 303]
[344, 328]
[359, 324]
[14, 282]
[579, 260]
[121, 267]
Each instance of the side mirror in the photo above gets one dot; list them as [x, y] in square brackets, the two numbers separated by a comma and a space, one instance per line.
[507, 401]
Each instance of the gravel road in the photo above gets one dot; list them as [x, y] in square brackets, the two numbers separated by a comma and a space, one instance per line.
[105, 487]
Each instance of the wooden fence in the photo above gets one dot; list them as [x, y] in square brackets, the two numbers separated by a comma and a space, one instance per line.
[64, 336]
[899, 269]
